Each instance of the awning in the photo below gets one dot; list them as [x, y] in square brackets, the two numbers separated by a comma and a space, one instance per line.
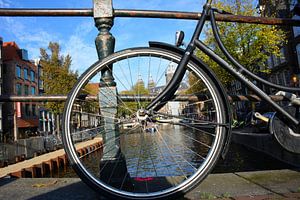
[27, 123]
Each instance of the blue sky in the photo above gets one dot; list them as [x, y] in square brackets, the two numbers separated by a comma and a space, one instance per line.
[76, 35]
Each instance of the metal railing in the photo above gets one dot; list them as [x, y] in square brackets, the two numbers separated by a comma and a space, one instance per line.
[42, 12]
[129, 98]
[103, 13]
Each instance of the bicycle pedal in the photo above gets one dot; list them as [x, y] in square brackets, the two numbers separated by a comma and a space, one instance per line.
[261, 117]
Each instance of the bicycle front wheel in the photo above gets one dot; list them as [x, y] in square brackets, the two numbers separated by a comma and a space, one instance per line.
[143, 155]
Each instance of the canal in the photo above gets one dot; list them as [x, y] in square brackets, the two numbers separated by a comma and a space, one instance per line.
[238, 158]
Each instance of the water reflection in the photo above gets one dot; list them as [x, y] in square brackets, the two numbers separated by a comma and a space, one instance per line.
[171, 151]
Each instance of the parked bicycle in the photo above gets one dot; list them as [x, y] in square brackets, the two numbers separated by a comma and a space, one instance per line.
[191, 120]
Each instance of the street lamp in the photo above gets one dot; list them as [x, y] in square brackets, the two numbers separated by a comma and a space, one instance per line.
[295, 80]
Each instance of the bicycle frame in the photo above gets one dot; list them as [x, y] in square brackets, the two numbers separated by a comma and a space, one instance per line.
[239, 72]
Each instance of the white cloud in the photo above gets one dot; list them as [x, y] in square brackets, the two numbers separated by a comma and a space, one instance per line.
[80, 46]
[28, 37]
[5, 3]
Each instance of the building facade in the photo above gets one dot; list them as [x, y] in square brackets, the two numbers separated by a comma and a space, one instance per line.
[20, 77]
[1, 64]
[285, 68]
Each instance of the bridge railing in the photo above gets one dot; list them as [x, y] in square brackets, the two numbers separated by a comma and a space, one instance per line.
[103, 9]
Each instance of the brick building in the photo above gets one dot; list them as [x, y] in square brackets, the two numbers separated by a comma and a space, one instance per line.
[20, 77]
[1, 127]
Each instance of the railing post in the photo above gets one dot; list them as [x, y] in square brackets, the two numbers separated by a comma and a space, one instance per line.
[105, 41]
[103, 15]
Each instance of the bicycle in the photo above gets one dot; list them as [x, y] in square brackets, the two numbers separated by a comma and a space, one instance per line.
[148, 160]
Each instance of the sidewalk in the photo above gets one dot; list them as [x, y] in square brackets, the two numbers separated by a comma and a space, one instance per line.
[279, 184]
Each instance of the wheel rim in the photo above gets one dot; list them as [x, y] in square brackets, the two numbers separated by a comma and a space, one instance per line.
[137, 167]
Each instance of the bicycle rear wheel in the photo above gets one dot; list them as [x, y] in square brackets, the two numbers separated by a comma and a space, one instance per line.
[143, 155]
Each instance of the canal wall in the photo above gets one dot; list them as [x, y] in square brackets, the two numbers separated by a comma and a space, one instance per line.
[266, 143]
[44, 164]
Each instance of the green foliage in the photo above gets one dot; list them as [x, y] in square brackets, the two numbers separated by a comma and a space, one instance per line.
[250, 44]
[129, 108]
[137, 89]
[57, 77]
[196, 85]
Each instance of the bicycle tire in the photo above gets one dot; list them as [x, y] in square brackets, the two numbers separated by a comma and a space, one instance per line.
[193, 165]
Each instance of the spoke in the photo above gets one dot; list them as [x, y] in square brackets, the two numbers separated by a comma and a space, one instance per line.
[203, 122]
[152, 144]
[162, 75]
[140, 153]
[159, 66]
[124, 105]
[175, 161]
[125, 79]
[114, 147]
[132, 80]
[169, 135]
[149, 68]
[185, 159]
[138, 79]
[195, 169]
[192, 127]
[163, 158]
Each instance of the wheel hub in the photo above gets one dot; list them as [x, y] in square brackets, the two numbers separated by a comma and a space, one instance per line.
[142, 115]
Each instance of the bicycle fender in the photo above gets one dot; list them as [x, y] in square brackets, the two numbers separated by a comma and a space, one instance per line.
[211, 74]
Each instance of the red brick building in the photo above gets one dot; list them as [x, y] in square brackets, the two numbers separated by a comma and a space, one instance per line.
[20, 77]
[1, 126]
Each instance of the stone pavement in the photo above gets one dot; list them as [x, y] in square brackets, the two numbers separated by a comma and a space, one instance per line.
[278, 184]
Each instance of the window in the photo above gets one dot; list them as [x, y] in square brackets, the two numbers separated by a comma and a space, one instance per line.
[282, 55]
[296, 28]
[287, 77]
[18, 71]
[280, 78]
[276, 61]
[32, 76]
[27, 111]
[26, 90]
[32, 90]
[34, 110]
[25, 74]
[270, 62]
[298, 54]
[18, 89]
[1, 117]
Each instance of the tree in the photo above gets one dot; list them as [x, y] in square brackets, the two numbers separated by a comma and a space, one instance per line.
[129, 108]
[250, 44]
[57, 76]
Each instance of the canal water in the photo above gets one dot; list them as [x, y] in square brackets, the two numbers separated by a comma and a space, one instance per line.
[238, 158]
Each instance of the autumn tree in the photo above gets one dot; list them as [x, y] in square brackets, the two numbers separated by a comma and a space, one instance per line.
[250, 44]
[57, 76]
